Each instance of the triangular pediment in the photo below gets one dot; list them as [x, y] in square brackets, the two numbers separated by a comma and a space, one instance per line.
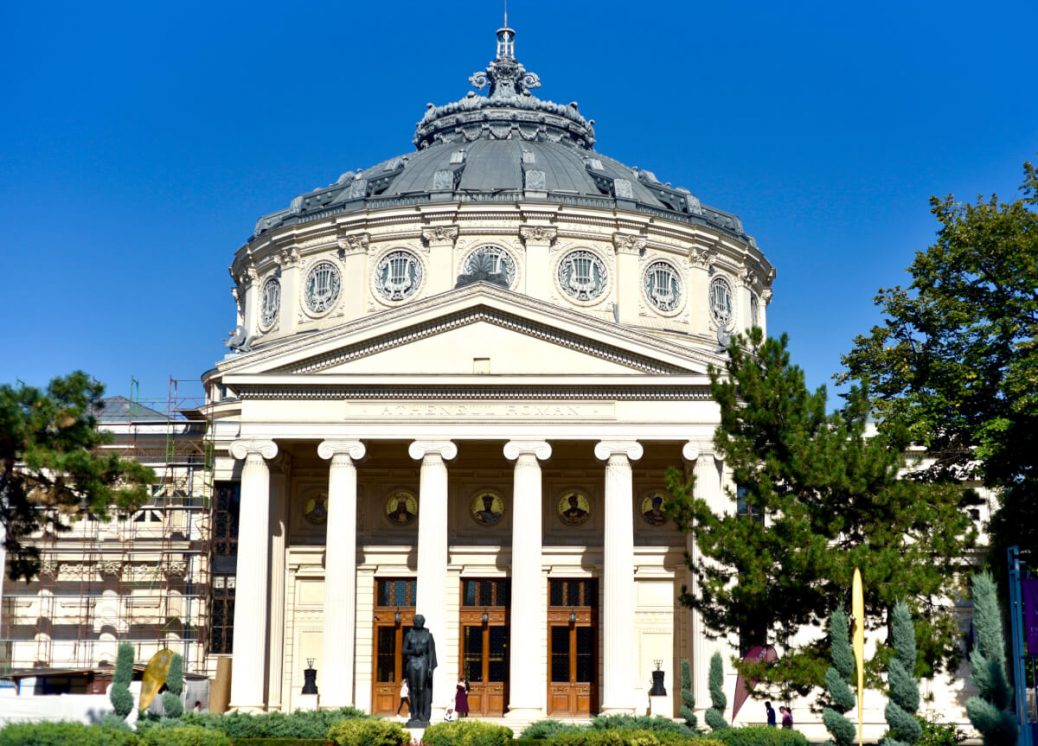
[480, 329]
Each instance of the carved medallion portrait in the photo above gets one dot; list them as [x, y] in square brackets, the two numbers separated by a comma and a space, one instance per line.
[315, 510]
[574, 508]
[401, 508]
[652, 508]
[487, 507]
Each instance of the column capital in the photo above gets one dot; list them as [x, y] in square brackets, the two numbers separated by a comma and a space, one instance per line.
[241, 449]
[693, 449]
[605, 449]
[328, 449]
[445, 449]
[516, 448]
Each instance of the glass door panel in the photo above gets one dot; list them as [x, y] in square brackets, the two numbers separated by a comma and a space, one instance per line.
[497, 654]
[585, 655]
[473, 654]
[560, 654]
[386, 668]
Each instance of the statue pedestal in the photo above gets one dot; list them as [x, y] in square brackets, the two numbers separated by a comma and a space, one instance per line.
[660, 706]
[306, 702]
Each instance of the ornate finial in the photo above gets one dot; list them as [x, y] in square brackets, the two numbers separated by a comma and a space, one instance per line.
[506, 77]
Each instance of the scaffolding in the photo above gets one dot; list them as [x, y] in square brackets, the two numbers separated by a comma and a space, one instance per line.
[141, 578]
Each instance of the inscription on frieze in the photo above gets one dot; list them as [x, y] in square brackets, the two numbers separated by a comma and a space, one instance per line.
[489, 410]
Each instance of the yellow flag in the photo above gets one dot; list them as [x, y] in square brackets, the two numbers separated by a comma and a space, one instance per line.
[858, 639]
[155, 676]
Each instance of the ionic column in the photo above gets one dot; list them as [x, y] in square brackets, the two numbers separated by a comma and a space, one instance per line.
[432, 557]
[528, 670]
[340, 572]
[618, 644]
[276, 627]
[705, 467]
[629, 248]
[250, 597]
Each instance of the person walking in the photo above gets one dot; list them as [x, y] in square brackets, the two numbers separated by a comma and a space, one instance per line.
[771, 714]
[787, 717]
[461, 699]
[405, 698]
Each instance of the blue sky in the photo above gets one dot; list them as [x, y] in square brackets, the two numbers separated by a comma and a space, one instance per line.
[139, 142]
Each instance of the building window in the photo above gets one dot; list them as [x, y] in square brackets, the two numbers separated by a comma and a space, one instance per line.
[397, 592]
[398, 275]
[582, 275]
[573, 592]
[486, 593]
[743, 508]
[221, 615]
[754, 310]
[663, 286]
[721, 306]
[491, 261]
[322, 287]
[226, 507]
[271, 302]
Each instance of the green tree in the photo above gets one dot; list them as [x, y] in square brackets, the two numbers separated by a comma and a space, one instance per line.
[954, 363]
[688, 701]
[901, 682]
[51, 470]
[820, 499]
[171, 704]
[714, 715]
[990, 713]
[120, 695]
[838, 680]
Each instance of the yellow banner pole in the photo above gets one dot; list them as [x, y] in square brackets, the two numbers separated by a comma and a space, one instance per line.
[858, 638]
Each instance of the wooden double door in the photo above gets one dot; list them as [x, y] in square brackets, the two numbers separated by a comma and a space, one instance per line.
[485, 644]
[394, 616]
[572, 647]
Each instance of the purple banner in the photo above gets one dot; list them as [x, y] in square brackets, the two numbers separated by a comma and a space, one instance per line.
[1030, 599]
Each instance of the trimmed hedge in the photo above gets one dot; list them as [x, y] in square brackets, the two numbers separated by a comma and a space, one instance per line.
[301, 724]
[368, 732]
[467, 733]
[543, 729]
[640, 722]
[66, 734]
[185, 735]
[625, 737]
[760, 736]
[280, 742]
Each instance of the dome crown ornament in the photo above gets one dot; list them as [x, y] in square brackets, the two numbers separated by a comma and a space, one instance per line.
[508, 111]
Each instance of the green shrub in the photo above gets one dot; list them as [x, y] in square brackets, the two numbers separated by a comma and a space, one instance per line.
[542, 729]
[185, 735]
[172, 707]
[312, 724]
[639, 722]
[281, 742]
[122, 700]
[467, 733]
[718, 701]
[66, 734]
[368, 732]
[620, 737]
[760, 736]
[939, 734]
[688, 701]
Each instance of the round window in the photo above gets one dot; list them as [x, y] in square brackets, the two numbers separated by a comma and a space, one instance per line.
[271, 302]
[490, 263]
[663, 286]
[398, 275]
[721, 306]
[582, 275]
[323, 283]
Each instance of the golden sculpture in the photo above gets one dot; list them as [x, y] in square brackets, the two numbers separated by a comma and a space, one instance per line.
[155, 676]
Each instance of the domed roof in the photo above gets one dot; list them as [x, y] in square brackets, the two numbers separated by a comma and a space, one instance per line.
[504, 147]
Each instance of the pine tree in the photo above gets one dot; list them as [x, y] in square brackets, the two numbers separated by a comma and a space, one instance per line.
[718, 702]
[120, 695]
[901, 682]
[989, 712]
[821, 497]
[837, 681]
[171, 704]
[687, 700]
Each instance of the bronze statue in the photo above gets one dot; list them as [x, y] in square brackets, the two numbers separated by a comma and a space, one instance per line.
[419, 662]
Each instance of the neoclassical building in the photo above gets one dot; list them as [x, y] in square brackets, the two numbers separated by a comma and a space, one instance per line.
[460, 377]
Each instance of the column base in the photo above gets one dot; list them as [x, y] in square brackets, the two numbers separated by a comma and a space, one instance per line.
[525, 714]
[307, 701]
[248, 709]
[616, 710]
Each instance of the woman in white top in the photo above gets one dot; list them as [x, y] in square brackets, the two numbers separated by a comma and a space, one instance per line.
[405, 698]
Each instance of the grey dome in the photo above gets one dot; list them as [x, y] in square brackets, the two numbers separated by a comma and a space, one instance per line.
[508, 146]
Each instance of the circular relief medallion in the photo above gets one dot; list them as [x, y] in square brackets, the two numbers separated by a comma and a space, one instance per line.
[652, 507]
[322, 286]
[487, 507]
[271, 302]
[722, 308]
[662, 285]
[574, 508]
[582, 275]
[315, 510]
[398, 275]
[401, 508]
[492, 264]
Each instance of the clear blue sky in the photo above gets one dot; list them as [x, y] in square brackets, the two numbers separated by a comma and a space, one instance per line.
[140, 141]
